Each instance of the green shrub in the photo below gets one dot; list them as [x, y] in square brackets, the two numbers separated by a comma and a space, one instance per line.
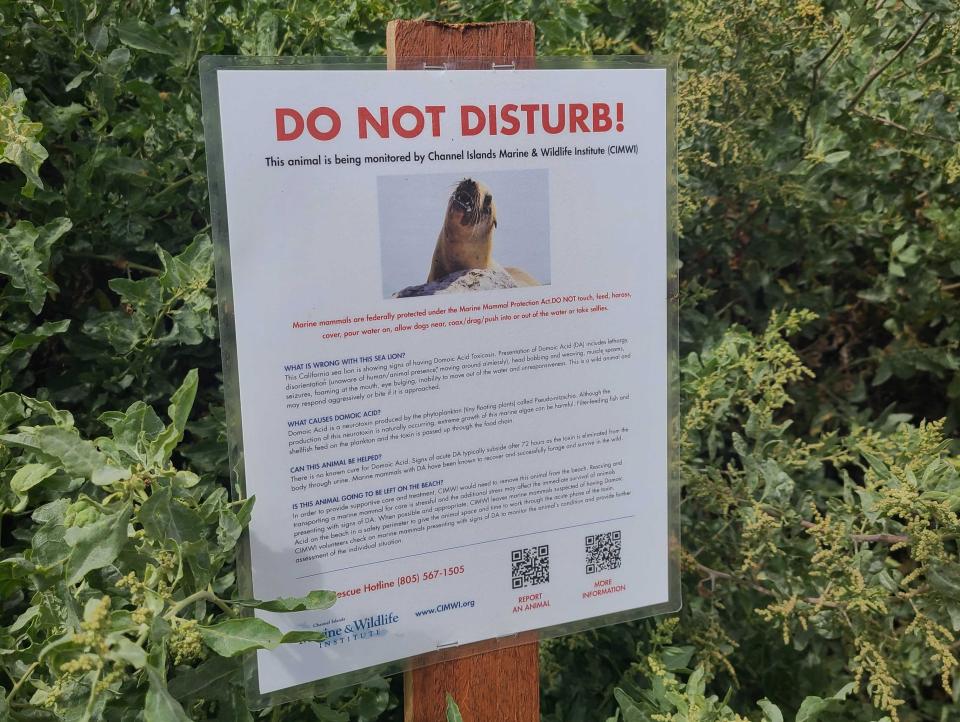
[819, 168]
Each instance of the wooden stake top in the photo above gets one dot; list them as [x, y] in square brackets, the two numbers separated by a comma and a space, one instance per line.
[509, 41]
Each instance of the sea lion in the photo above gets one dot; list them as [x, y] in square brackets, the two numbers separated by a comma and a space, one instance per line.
[466, 236]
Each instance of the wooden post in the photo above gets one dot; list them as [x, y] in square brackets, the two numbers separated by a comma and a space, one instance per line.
[414, 39]
[489, 686]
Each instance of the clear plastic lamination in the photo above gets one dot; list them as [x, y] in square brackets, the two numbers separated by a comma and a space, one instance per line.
[240, 407]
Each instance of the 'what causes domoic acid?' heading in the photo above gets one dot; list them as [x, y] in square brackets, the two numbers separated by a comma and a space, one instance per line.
[409, 121]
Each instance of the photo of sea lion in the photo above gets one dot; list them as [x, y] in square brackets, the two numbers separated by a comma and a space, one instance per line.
[466, 236]
[479, 232]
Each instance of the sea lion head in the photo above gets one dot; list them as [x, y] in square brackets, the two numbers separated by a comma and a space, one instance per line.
[466, 237]
[471, 204]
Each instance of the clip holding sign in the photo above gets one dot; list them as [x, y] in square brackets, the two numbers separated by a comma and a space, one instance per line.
[456, 402]
[452, 65]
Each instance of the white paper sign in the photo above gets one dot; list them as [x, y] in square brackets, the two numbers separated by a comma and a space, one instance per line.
[485, 459]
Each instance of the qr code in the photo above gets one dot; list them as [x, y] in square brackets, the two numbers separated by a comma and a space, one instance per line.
[603, 551]
[529, 567]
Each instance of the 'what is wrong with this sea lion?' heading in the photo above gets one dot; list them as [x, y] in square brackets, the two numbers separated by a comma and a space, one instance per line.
[324, 123]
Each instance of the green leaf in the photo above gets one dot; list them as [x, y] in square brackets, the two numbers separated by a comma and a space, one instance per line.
[812, 707]
[771, 712]
[49, 547]
[19, 142]
[696, 683]
[135, 432]
[318, 599]
[619, 8]
[36, 407]
[145, 294]
[631, 711]
[25, 255]
[178, 301]
[674, 658]
[189, 271]
[29, 340]
[210, 680]
[29, 475]
[116, 62]
[64, 640]
[953, 610]
[229, 529]
[164, 517]
[78, 80]
[96, 545]
[236, 636]
[78, 457]
[325, 713]
[453, 711]
[185, 479]
[944, 578]
[123, 650]
[24, 619]
[137, 34]
[160, 705]
[879, 468]
[97, 36]
[179, 411]
[836, 156]
[899, 243]
[12, 410]
[267, 26]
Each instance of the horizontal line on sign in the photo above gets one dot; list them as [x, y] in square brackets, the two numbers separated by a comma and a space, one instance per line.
[463, 546]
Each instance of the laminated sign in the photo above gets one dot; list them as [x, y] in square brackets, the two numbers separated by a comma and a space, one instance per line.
[448, 335]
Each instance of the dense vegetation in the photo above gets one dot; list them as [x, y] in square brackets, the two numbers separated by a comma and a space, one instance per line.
[820, 331]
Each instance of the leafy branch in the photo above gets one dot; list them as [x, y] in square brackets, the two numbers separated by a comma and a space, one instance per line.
[877, 71]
